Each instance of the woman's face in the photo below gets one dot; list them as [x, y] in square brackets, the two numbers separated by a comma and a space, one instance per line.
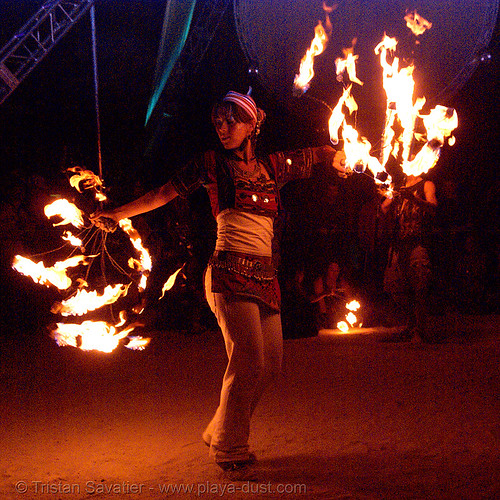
[231, 132]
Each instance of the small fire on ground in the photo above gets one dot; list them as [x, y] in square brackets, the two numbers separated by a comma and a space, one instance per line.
[350, 320]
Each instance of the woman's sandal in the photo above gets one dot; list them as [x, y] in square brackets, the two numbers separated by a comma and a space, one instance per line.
[231, 466]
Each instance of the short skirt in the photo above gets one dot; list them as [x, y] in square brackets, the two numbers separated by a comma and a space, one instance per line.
[249, 276]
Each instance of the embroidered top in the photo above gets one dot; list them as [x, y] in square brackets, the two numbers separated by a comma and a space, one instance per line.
[257, 196]
[213, 170]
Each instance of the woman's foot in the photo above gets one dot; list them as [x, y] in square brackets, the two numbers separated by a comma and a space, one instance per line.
[207, 438]
[234, 465]
[239, 470]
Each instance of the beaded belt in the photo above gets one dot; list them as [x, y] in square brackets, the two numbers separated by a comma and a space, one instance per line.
[249, 267]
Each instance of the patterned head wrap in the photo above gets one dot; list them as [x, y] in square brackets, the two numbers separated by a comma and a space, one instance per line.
[243, 101]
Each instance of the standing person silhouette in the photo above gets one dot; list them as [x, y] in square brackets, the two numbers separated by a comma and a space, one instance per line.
[241, 284]
[408, 273]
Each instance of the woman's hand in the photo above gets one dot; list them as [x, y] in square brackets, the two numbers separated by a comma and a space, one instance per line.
[331, 157]
[339, 163]
[105, 220]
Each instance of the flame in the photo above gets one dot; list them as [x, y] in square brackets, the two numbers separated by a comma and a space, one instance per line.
[83, 301]
[70, 238]
[399, 88]
[337, 118]
[306, 68]
[55, 275]
[88, 180]
[343, 326]
[358, 157]
[354, 305]
[348, 64]
[137, 343]
[439, 123]
[99, 335]
[69, 212]
[417, 23]
[144, 263]
[387, 44]
[90, 335]
[350, 318]
[169, 283]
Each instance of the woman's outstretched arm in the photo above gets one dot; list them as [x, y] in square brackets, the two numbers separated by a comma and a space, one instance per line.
[150, 201]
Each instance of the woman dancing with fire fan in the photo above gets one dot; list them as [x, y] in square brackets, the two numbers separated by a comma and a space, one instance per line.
[241, 285]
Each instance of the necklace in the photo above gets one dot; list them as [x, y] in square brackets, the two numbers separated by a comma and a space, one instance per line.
[246, 174]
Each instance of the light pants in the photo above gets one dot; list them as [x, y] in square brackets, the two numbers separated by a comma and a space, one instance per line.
[254, 346]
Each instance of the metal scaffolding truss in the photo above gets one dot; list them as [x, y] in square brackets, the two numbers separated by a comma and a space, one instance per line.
[35, 39]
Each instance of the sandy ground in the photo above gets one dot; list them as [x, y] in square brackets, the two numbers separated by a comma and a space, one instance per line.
[350, 418]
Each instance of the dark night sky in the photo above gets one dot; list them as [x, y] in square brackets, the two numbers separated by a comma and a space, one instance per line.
[49, 121]
[54, 108]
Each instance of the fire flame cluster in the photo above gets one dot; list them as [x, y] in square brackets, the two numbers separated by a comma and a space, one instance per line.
[88, 335]
[417, 151]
